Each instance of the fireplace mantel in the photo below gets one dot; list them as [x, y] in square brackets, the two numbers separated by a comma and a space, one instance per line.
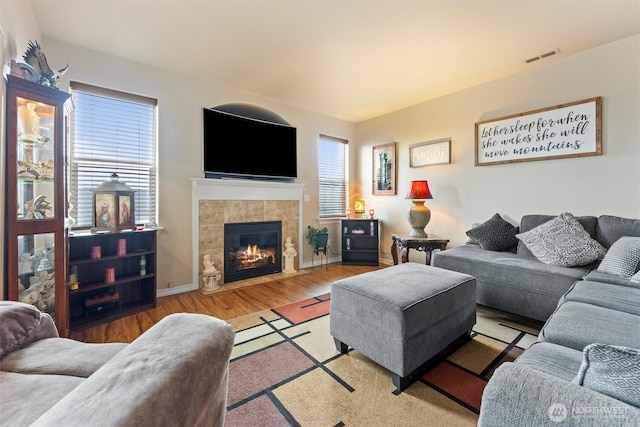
[240, 190]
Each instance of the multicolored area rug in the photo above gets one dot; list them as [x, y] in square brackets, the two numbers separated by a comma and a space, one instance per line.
[286, 371]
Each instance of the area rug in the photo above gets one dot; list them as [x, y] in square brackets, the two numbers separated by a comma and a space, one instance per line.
[286, 371]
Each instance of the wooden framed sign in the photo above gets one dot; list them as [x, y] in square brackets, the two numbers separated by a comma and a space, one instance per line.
[435, 152]
[566, 130]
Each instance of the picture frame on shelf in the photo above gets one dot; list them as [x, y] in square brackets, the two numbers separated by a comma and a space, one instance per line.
[104, 211]
[125, 219]
[384, 169]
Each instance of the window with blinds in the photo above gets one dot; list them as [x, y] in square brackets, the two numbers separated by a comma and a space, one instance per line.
[112, 131]
[333, 176]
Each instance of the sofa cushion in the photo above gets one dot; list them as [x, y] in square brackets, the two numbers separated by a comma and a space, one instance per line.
[611, 370]
[610, 228]
[577, 324]
[635, 278]
[622, 258]
[562, 362]
[61, 356]
[495, 234]
[598, 276]
[616, 297]
[510, 282]
[21, 324]
[562, 241]
[25, 397]
[529, 222]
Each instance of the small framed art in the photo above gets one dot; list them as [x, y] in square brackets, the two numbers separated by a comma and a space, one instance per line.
[436, 152]
[384, 169]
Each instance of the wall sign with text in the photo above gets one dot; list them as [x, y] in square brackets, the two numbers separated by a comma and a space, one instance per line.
[435, 152]
[566, 130]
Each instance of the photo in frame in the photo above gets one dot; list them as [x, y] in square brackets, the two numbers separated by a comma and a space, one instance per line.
[384, 169]
[436, 152]
[567, 130]
[125, 211]
[105, 211]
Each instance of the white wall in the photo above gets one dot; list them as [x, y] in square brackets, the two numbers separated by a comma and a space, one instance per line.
[180, 102]
[464, 194]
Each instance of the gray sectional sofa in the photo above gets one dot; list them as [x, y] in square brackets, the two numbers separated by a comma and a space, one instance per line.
[584, 370]
[585, 367]
[168, 376]
[517, 282]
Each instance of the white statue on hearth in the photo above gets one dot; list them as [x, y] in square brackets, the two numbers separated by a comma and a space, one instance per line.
[209, 267]
[289, 254]
[210, 275]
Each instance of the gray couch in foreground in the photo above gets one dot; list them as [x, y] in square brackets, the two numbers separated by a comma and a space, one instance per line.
[174, 374]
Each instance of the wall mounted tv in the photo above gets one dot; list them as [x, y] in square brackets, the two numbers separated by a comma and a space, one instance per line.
[240, 146]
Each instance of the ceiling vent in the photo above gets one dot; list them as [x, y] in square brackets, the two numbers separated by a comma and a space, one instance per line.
[542, 56]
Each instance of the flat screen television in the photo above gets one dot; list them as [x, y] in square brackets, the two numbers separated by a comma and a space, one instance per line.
[241, 147]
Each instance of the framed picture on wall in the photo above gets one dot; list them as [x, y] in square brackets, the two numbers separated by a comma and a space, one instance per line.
[384, 169]
[567, 130]
[437, 152]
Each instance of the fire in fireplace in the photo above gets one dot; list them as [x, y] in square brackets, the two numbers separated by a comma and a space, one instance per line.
[252, 249]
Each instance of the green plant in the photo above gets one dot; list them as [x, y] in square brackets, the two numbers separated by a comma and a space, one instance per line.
[312, 235]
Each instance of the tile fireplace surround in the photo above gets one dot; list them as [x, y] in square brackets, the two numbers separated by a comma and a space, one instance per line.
[221, 201]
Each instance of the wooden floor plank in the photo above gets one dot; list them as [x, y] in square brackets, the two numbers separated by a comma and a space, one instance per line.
[225, 304]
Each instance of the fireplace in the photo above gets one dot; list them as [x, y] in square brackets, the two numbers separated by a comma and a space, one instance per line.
[252, 249]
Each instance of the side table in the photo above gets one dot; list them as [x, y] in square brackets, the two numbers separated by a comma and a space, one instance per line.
[424, 244]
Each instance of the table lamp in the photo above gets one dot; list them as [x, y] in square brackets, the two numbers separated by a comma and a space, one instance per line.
[419, 215]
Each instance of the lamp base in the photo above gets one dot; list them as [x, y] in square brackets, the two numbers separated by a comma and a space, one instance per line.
[418, 217]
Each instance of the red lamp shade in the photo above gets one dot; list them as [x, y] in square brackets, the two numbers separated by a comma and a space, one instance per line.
[419, 191]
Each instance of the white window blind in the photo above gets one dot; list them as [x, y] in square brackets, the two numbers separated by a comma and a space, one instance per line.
[333, 176]
[112, 131]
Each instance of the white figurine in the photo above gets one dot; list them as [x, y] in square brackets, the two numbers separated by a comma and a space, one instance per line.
[210, 275]
[289, 254]
[208, 265]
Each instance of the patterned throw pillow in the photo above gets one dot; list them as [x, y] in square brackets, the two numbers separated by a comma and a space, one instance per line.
[611, 370]
[562, 241]
[495, 234]
[622, 258]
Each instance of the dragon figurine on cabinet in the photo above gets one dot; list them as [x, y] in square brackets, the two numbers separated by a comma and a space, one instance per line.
[36, 68]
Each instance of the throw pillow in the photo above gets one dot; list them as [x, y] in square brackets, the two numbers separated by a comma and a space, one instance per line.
[495, 234]
[611, 370]
[622, 258]
[472, 241]
[562, 241]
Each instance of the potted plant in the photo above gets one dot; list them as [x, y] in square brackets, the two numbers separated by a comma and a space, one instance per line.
[317, 238]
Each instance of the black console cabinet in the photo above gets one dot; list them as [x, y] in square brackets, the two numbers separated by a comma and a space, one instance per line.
[360, 241]
[100, 297]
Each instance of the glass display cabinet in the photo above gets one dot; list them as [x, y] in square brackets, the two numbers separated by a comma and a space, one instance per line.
[36, 206]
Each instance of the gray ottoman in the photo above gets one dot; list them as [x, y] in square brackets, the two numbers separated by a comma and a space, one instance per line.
[402, 316]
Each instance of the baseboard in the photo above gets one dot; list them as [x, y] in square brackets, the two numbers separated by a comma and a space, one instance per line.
[191, 287]
[176, 290]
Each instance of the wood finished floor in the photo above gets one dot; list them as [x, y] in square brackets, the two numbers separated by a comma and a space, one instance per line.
[225, 304]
